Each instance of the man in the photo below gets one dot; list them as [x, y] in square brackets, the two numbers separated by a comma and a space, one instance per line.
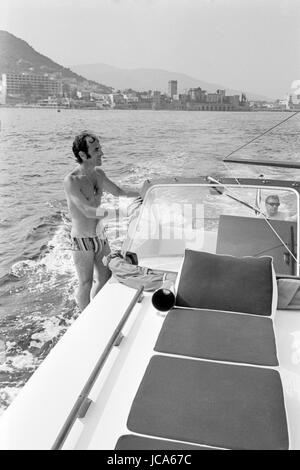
[84, 187]
[272, 204]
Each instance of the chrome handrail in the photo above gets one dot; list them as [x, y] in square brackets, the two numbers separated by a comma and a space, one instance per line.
[83, 396]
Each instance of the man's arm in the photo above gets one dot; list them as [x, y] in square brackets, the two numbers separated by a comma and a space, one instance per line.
[89, 209]
[110, 187]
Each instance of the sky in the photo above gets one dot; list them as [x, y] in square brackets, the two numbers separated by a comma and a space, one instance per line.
[253, 45]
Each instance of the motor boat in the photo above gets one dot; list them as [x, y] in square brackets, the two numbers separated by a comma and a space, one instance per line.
[217, 369]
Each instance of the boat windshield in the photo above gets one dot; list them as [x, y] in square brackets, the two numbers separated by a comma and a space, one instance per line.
[231, 219]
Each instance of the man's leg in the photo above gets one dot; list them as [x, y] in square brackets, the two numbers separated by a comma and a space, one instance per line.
[84, 263]
[101, 273]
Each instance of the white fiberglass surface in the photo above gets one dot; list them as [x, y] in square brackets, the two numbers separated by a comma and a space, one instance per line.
[233, 219]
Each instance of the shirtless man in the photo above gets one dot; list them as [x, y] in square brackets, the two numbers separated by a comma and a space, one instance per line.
[84, 187]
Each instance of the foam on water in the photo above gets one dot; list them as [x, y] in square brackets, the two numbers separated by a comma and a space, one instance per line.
[47, 310]
[7, 395]
[50, 282]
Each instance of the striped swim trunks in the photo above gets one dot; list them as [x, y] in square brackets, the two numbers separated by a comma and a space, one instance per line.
[94, 244]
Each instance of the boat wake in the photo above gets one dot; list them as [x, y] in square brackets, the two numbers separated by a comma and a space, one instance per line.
[37, 296]
[37, 306]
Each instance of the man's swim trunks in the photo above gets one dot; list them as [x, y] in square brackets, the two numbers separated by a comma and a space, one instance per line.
[94, 244]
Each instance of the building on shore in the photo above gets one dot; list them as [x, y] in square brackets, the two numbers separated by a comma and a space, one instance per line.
[196, 99]
[27, 87]
[156, 99]
[44, 91]
[172, 88]
[288, 103]
[54, 102]
[197, 95]
[295, 95]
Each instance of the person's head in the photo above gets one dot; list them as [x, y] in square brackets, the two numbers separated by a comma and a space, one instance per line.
[272, 204]
[86, 147]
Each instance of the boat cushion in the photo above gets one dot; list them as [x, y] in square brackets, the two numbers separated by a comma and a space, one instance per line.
[131, 442]
[288, 294]
[248, 236]
[224, 282]
[202, 402]
[220, 336]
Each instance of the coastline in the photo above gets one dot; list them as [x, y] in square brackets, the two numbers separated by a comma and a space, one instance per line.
[87, 108]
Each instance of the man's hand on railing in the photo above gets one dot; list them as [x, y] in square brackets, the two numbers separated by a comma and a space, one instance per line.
[135, 205]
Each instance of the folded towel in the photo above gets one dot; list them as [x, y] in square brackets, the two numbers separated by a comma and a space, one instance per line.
[136, 276]
[288, 294]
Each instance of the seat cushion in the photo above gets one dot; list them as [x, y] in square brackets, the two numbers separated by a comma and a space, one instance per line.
[202, 402]
[131, 442]
[224, 282]
[222, 336]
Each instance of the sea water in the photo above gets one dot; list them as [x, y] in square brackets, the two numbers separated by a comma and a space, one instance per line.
[37, 276]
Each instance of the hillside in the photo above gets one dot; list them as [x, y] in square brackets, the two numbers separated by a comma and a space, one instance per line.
[18, 56]
[151, 79]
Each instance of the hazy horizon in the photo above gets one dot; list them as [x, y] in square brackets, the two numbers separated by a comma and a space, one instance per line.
[243, 44]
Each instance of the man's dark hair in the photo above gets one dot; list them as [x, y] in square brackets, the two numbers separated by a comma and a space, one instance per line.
[80, 145]
[272, 196]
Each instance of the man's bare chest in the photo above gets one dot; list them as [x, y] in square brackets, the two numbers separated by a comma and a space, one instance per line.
[91, 189]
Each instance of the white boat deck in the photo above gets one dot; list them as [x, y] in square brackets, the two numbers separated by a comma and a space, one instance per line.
[108, 416]
[46, 400]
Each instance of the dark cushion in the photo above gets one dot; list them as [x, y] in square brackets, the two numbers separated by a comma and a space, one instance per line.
[221, 336]
[131, 442]
[207, 403]
[223, 282]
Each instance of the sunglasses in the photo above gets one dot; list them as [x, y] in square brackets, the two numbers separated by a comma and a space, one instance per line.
[273, 204]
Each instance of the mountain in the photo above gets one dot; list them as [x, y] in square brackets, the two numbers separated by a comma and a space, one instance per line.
[18, 56]
[141, 79]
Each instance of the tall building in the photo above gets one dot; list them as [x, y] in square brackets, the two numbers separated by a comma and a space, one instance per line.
[213, 97]
[2, 94]
[221, 94]
[172, 88]
[156, 99]
[197, 94]
[295, 92]
[15, 85]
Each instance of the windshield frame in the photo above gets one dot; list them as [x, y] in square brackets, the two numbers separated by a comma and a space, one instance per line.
[231, 184]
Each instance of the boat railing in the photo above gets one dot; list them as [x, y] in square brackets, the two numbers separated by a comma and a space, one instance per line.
[83, 401]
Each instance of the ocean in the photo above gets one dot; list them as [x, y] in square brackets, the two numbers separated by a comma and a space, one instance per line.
[37, 277]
